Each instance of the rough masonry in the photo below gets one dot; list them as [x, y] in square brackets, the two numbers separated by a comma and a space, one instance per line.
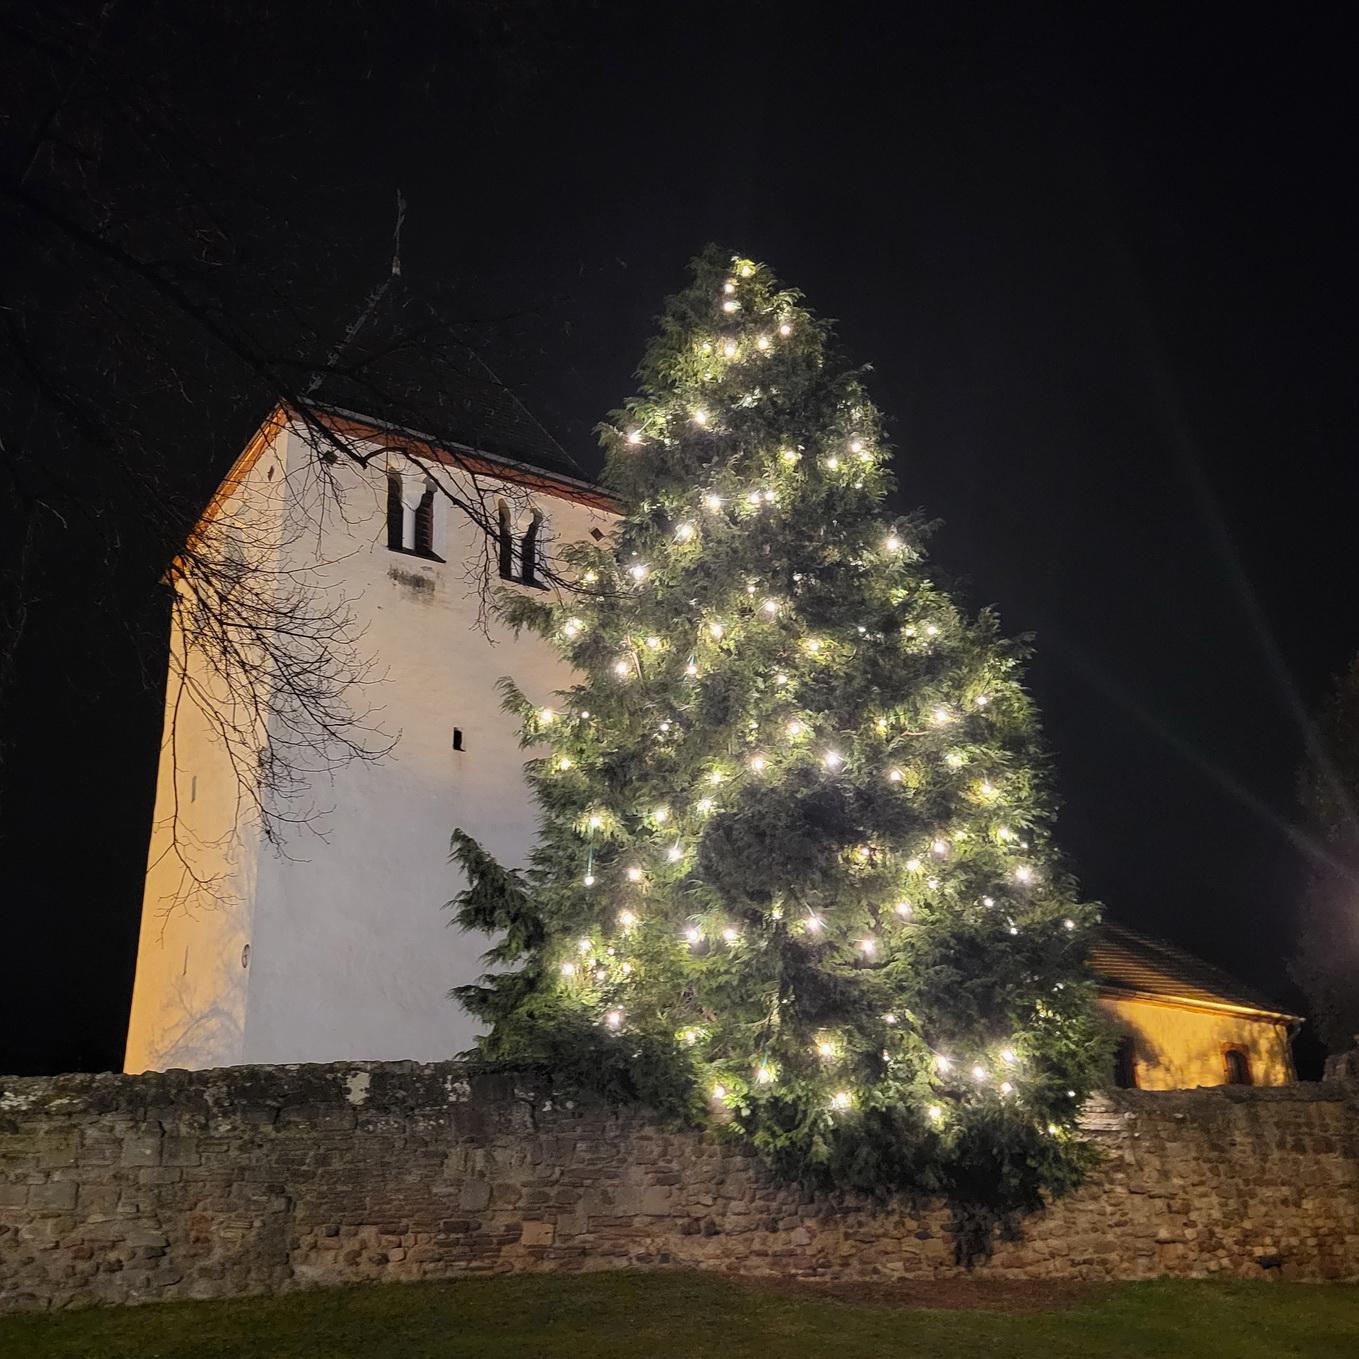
[259, 1179]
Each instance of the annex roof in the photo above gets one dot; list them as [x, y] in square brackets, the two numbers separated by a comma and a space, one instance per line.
[1128, 963]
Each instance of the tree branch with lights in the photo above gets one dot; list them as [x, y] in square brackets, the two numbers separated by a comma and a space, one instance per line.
[794, 876]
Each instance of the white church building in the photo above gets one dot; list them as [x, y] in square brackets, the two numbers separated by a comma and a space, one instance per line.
[335, 944]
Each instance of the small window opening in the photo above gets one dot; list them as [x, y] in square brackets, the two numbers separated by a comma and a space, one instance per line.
[396, 513]
[530, 552]
[424, 524]
[1238, 1066]
[597, 534]
[457, 739]
[410, 528]
[505, 541]
[1125, 1064]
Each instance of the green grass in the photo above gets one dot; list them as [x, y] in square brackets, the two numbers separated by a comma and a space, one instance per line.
[689, 1316]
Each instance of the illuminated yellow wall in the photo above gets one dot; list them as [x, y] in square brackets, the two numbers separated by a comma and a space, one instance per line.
[1179, 1047]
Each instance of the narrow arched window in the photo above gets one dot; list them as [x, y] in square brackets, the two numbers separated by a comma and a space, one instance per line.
[505, 540]
[1125, 1064]
[396, 512]
[1237, 1062]
[530, 551]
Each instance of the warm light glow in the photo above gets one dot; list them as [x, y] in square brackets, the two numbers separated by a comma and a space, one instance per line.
[564, 763]
[716, 776]
[982, 700]
[719, 1092]
[764, 1075]
[683, 532]
[939, 848]
[731, 935]
[833, 462]
[730, 305]
[894, 775]
[832, 759]
[813, 644]
[596, 821]
[661, 814]
[712, 501]
[715, 630]
[674, 853]
[627, 919]
[589, 880]
[545, 716]
[979, 1073]
[941, 717]
[789, 455]
[584, 945]
[572, 627]
[913, 865]
[771, 607]
[762, 342]
[842, 1099]
[785, 329]
[622, 668]
[1006, 1088]
[729, 287]
[700, 416]
[781, 678]
[935, 1113]
[568, 969]
[892, 543]
[1007, 1055]
[943, 1065]
[954, 760]
[1024, 874]
[653, 643]
[704, 804]
[758, 763]
[729, 349]
[634, 874]
[614, 1019]
[693, 934]
[903, 909]
[825, 1049]
[868, 947]
[634, 436]
[814, 924]
[637, 571]
[691, 669]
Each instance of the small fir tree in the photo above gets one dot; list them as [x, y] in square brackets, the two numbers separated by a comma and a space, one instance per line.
[794, 874]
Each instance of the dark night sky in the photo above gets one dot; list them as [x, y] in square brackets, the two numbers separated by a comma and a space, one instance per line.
[1100, 260]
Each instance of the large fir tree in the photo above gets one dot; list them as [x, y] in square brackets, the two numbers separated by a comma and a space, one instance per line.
[794, 874]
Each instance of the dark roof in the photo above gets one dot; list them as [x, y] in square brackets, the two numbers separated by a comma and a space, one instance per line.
[1124, 960]
[407, 367]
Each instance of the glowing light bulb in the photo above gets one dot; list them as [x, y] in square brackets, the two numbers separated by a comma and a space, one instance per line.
[889, 1019]
[704, 804]
[903, 909]
[674, 853]
[614, 1018]
[700, 416]
[590, 577]
[868, 947]
[661, 813]
[789, 455]
[729, 287]
[622, 668]
[729, 349]
[785, 330]
[767, 496]
[568, 969]
[856, 446]
[794, 728]
[719, 1092]
[988, 901]
[986, 788]
[691, 670]
[746, 269]
[1053, 1130]
[693, 934]
[764, 1075]
[1006, 1088]
[825, 1049]
[1024, 874]
[762, 342]
[954, 760]
[982, 700]
[638, 571]
[753, 498]
[712, 502]
[978, 1073]
[584, 945]
[832, 759]
[1007, 1055]
[913, 865]
[781, 678]
[589, 880]
[683, 532]
[833, 462]
[731, 305]
[770, 607]
[730, 935]
[716, 776]
[634, 874]
[842, 1099]
[1069, 924]
[943, 1065]
[813, 644]
[935, 1113]
[634, 436]
[715, 630]
[596, 821]
[572, 627]
[653, 643]
[894, 776]
[758, 763]
[545, 716]
[627, 919]
[564, 763]
[814, 924]
[931, 630]
[939, 847]
[941, 717]
[892, 543]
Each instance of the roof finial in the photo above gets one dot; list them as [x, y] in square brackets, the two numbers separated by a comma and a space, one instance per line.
[396, 235]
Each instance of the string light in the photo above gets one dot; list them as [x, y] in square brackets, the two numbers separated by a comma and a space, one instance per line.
[785, 330]
[954, 760]
[661, 814]
[584, 945]
[712, 501]
[674, 853]
[789, 455]
[942, 1065]
[894, 776]
[622, 668]
[729, 287]
[715, 631]
[614, 1019]
[564, 763]
[568, 969]
[704, 804]
[691, 669]
[981, 700]
[700, 416]
[762, 342]
[939, 848]
[1007, 1055]
[935, 1113]
[941, 717]
[638, 571]
[634, 874]
[833, 462]
[764, 1075]
[868, 947]
[892, 543]
[832, 759]
[746, 269]
[781, 679]
[978, 1073]
[842, 1099]
[903, 909]
[589, 880]
[795, 728]
[731, 305]
[1006, 1088]
[814, 924]
[683, 532]
[813, 645]
[719, 1092]
[693, 934]
[729, 349]
[572, 627]
[545, 716]
[913, 865]
[825, 1049]
[730, 935]
[627, 919]
[653, 643]
[758, 763]
[634, 436]
[1024, 874]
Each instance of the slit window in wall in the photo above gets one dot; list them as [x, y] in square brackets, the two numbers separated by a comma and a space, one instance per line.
[457, 739]
[505, 540]
[1237, 1063]
[530, 551]
[424, 524]
[396, 513]
[1125, 1064]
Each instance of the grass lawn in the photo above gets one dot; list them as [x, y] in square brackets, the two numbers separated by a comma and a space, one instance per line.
[688, 1316]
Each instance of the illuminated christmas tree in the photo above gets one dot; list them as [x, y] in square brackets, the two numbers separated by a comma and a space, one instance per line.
[794, 875]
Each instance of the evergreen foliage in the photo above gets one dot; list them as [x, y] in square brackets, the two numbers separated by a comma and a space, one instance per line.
[795, 875]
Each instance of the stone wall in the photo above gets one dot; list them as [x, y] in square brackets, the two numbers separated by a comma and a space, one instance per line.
[256, 1179]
